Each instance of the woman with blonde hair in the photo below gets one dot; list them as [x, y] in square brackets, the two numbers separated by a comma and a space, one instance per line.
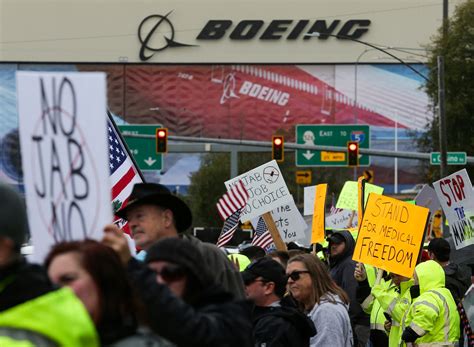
[321, 299]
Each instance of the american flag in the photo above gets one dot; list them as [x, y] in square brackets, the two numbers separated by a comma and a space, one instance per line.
[234, 199]
[123, 173]
[262, 236]
[230, 225]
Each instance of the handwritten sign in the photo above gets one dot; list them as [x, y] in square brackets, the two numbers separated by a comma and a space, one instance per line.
[342, 220]
[266, 187]
[457, 200]
[318, 227]
[349, 193]
[309, 194]
[391, 234]
[64, 149]
[289, 221]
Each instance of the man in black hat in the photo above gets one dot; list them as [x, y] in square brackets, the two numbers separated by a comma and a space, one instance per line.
[153, 213]
[276, 322]
[19, 281]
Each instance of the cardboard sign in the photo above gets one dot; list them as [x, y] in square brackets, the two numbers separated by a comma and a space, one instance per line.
[457, 200]
[427, 197]
[289, 221]
[318, 228]
[266, 187]
[391, 234]
[341, 220]
[349, 193]
[63, 134]
[309, 194]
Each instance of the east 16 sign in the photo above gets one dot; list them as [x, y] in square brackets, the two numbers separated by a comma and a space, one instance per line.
[143, 149]
[453, 158]
[330, 135]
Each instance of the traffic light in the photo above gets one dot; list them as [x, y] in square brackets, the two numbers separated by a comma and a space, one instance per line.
[278, 152]
[161, 140]
[353, 153]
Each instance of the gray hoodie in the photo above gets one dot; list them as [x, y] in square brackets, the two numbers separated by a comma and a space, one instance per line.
[332, 323]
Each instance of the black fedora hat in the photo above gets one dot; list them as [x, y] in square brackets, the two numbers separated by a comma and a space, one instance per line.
[158, 194]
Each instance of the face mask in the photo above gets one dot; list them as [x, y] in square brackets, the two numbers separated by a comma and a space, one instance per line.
[415, 291]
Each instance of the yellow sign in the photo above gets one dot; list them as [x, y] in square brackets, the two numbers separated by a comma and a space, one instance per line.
[361, 186]
[391, 234]
[349, 193]
[317, 229]
[333, 156]
[303, 177]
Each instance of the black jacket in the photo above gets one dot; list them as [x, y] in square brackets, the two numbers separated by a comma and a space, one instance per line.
[21, 282]
[458, 280]
[282, 326]
[214, 318]
[341, 268]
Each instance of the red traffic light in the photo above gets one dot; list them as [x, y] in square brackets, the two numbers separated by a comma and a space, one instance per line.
[278, 143]
[161, 140]
[353, 153]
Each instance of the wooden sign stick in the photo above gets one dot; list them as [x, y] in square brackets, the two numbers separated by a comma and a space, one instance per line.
[280, 245]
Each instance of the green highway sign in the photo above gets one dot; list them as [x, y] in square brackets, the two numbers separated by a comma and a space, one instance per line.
[454, 158]
[143, 149]
[330, 135]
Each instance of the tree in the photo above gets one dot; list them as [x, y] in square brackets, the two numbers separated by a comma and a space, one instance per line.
[457, 48]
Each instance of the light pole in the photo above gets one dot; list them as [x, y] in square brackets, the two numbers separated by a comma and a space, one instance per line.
[441, 95]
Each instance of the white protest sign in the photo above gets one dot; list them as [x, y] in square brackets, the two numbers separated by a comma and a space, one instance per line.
[63, 134]
[309, 193]
[289, 221]
[342, 220]
[457, 200]
[266, 187]
[427, 198]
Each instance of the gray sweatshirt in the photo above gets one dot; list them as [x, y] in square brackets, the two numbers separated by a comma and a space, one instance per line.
[332, 323]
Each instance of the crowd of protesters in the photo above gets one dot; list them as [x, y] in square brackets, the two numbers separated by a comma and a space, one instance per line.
[179, 291]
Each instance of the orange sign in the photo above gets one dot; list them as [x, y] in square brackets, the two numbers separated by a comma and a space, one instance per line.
[317, 228]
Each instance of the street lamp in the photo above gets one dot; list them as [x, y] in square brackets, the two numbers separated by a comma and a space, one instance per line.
[441, 93]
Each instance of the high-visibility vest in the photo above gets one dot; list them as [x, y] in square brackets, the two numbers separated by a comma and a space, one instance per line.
[57, 318]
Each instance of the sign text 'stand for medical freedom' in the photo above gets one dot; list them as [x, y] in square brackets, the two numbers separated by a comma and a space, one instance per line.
[391, 234]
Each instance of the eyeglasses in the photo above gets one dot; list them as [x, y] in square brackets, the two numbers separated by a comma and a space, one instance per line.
[295, 275]
[171, 273]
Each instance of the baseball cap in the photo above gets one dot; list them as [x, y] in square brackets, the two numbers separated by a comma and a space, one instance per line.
[269, 269]
[13, 219]
[441, 249]
[336, 238]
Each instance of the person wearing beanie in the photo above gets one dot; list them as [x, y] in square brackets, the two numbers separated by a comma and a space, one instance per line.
[276, 320]
[183, 303]
[153, 213]
[19, 280]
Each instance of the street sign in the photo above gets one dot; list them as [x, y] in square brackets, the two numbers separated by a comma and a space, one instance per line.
[369, 176]
[143, 149]
[454, 158]
[330, 135]
[303, 177]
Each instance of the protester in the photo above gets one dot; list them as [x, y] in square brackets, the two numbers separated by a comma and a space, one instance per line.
[432, 317]
[153, 213]
[280, 256]
[32, 312]
[275, 321]
[96, 275]
[390, 299]
[182, 300]
[341, 247]
[325, 303]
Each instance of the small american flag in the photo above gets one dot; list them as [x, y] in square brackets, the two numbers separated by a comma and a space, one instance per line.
[123, 173]
[262, 236]
[234, 199]
[230, 226]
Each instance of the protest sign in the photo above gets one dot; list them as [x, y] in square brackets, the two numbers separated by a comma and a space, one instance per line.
[343, 219]
[457, 200]
[427, 198]
[65, 157]
[289, 221]
[349, 193]
[318, 227]
[309, 193]
[391, 234]
[266, 187]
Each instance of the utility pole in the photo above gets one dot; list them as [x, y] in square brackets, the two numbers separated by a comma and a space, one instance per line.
[443, 143]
